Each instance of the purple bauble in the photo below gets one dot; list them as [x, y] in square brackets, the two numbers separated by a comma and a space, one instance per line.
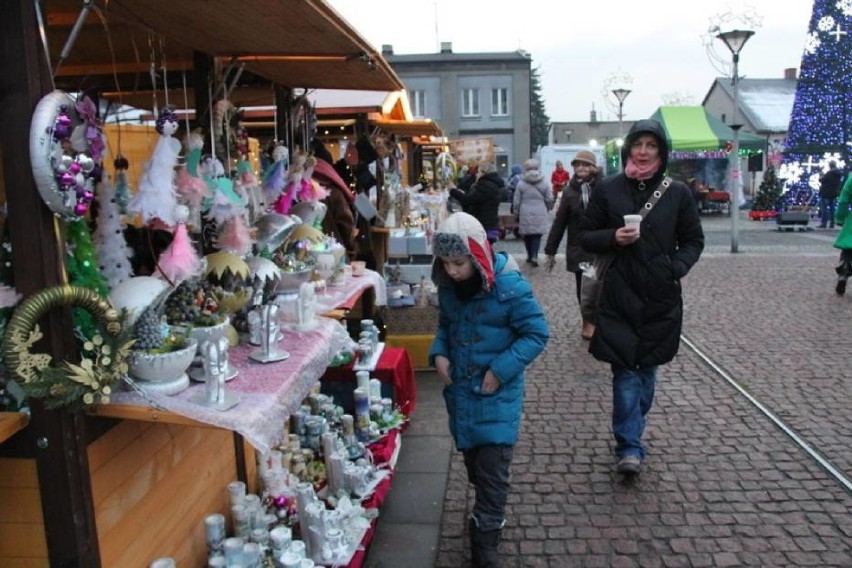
[75, 168]
[62, 127]
[80, 209]
[67, 180]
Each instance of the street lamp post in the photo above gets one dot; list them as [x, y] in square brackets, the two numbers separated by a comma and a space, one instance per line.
[734, 40]
[620, 94]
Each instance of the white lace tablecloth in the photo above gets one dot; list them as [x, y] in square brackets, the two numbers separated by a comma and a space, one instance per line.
[269, 392]
[335, 296]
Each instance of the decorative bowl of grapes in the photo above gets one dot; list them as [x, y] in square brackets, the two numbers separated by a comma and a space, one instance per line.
[194, 308]
[160, 354]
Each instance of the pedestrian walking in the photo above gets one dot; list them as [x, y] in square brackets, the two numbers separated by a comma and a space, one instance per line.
[829, 188]
[640, 310]
[531, 203]
[844, 238]
[483, 199]
[490, 328]
[559, 178]
[514, 179]
[575, 199]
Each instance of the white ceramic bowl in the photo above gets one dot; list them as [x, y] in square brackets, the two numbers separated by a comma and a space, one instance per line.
[162, 367]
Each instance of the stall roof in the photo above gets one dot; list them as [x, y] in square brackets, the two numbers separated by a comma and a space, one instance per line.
[692, 128]
[297, 43]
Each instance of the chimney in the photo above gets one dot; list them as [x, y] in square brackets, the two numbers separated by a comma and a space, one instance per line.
[446, 47]
[387, 49]
[593, 116]
[790, 73]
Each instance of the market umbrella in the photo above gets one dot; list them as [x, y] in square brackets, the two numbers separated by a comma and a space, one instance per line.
[692, 128]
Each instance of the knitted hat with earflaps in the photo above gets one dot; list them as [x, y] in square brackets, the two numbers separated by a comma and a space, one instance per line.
[461, 234]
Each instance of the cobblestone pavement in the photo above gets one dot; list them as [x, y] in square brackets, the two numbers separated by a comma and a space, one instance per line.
[723, 485]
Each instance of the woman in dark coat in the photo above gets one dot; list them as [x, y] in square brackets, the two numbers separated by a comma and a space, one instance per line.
[339, 221]
[575, 199]
[641, 310]
[483, 199]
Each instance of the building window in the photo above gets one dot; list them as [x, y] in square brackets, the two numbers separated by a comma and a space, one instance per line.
[500, 102]
[470, 102]
[418, 104]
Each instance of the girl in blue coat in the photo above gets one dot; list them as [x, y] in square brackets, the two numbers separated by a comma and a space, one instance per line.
[490, 328]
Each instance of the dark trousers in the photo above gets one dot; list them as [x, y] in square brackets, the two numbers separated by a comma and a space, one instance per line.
[488, 471]
[844, 269]
[532, 244]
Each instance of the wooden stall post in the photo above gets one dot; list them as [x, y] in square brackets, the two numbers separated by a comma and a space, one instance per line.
[57, 438]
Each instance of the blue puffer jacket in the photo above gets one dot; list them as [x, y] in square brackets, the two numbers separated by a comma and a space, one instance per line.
[503, 329]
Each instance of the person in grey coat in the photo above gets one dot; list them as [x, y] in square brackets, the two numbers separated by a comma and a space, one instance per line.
[531, 203]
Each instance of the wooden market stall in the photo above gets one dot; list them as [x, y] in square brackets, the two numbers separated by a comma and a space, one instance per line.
[81, 490]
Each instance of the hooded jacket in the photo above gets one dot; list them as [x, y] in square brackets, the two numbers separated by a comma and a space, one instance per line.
[641, 310]
[483, 199]
[501, 327]
[532, 201]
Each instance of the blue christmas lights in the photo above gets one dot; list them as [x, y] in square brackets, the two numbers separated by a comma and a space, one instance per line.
[820, 127]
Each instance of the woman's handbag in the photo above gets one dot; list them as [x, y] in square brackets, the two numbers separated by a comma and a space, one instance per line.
[591, 282]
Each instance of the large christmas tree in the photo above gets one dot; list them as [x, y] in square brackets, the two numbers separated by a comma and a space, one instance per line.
[821, 122]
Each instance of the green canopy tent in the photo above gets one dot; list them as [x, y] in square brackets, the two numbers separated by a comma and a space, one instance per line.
[693, 129]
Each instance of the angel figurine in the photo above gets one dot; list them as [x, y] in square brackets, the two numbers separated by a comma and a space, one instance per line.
[155, 197]
[275, 175]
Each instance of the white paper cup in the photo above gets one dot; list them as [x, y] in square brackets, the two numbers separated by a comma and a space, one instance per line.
[634, 220]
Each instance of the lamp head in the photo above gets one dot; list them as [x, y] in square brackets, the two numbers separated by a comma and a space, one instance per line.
[621, 94]
[735, 39]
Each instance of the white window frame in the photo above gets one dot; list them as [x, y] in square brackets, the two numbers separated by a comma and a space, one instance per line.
[418, 103]
[500, 101]
[470, 102]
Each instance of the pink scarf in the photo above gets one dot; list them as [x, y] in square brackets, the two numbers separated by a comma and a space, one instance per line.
[633, 171]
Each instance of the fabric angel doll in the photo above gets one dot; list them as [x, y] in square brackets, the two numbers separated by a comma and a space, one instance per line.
[310, 190]
[155, 198]
[191, 187]
[179, 261]
[225, 202]
[275, 175]
[295, 177]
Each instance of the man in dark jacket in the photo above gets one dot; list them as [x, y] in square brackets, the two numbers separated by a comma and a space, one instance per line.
[483, 199]
[829, 189]
[641, 310]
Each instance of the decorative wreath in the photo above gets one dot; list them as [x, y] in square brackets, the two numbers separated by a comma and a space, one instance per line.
[66, 147]
[70, 385]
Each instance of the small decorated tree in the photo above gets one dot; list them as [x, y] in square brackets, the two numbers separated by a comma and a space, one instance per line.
[768, 195]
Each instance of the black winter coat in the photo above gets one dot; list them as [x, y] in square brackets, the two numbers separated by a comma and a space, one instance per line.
[641, 310]
[567, 222]
[483, 199]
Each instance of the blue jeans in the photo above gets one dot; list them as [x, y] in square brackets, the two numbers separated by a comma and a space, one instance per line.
[826, 211]
[632, 397]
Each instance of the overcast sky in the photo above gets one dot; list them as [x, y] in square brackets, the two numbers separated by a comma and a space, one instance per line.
[655, 48]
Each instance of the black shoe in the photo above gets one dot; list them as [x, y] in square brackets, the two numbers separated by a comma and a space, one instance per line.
[529, 261]
[841, 286]
[534, 263]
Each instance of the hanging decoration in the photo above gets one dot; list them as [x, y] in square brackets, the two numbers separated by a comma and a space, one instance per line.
[70, 385]
[179, 261]
[122, 185]
[155, 197]
[63, 164]
[191, 187]
[275, 177]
